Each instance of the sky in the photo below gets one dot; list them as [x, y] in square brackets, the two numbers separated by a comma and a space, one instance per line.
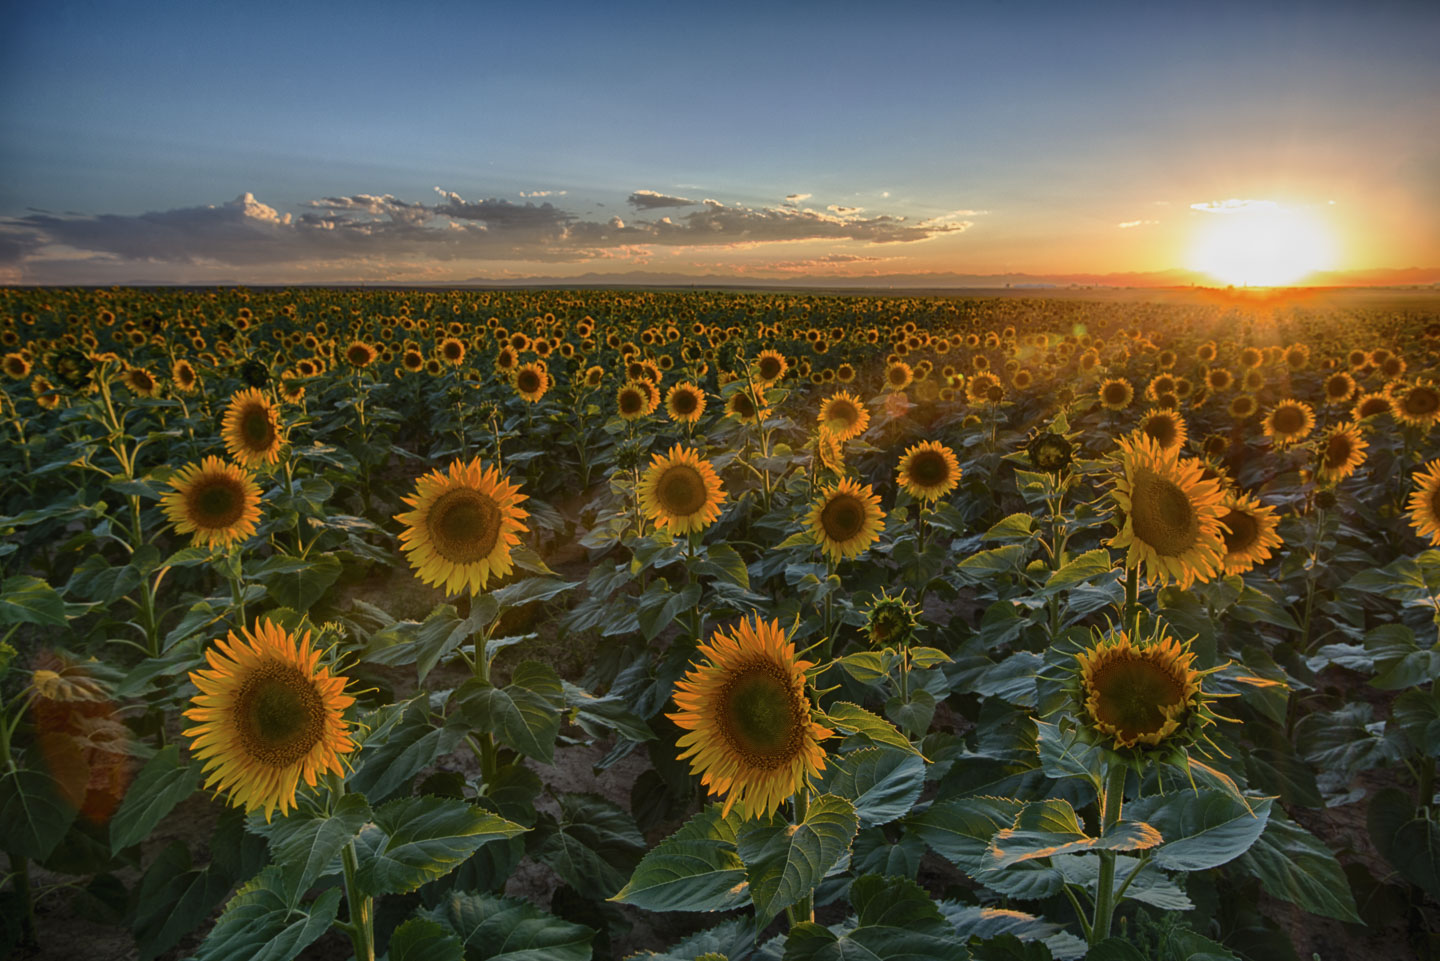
[907, 142]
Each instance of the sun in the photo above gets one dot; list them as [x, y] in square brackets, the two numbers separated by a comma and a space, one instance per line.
[1260, 244]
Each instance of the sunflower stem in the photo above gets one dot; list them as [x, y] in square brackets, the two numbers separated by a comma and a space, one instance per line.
[362, 908]
[1132, 596]
[804, 909]
[1105, 893]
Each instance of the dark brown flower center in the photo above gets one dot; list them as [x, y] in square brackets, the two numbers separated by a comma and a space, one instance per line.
[929, 468]
[680, 490]
[215, 503]
[279, 715]
[256, 429]
[761, 717]
[1131, 694]
[1162, 430]
[684, 402]
[1288, 420]
[464, 525]
[1244, 531]
[843, 517]
[1421, 400]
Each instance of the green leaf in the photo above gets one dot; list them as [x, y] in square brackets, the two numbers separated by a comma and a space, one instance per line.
[1292, 865]
[1343, 741]
[987, 924]
[998, 560]
[722, 560]
[1063, 754]
[1202, 829]
[306, 849]
[421, 939]
[33, 814]
[927, 657]
[29, 600]
[846, 716]
[785, 862]
[1257, 606]
[95, 579]
[1077, 571]
[163, 783]
[525, 714]
[1407, 838]
[298, 582]
[696, 869]
[259, 924]
[865, 666]
[1016, 527]
[882, 783]
[509, 929]
[407, 748]
[529, 590]
[419, 839]
[1149, 885]
[1417, 714]
[960, 830]
[1048, 828]
[593, 847]
[598, 716]
[173, 900]
[897, 922]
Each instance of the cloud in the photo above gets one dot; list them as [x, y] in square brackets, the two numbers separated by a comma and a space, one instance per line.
[367, 234]
[651, 200]
[1234, 206]
[796, 199]
[827, 262]
[956, 218]
[842, 211]
[1127, 224]
[544, 193]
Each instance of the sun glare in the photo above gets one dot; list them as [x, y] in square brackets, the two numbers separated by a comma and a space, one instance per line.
[1260, 244]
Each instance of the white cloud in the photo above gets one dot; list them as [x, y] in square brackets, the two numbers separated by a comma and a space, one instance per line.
[843, 211]
[1234, 206]
[544, 193]
[794, 199]
[1127, 224]
[651, 200]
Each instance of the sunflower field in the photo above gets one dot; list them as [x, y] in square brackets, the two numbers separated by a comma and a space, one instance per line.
[525, 625]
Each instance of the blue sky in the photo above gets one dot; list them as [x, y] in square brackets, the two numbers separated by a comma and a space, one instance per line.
[1022, 134]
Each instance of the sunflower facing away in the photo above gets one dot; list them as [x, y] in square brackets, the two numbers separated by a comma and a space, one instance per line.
[1290, 421]
[1250, 532]
[217, 502]
[681, 491]
[844, 416]
[462, 526]
[1424, 504]
[251, 429]
[1137, 694]
[746, 717]
[846, 519]
[929, 471]
[267, 715]
[1342, 451]
[1171, 514]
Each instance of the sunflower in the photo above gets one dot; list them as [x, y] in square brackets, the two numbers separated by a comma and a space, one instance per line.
[1250, 532]
[844, 416]
[1243, 406]
[16, 366]
[770, 366]
[1116, 394]
[898, 375]
[531, 382]
[1171, 513]
[685, 403]
[1424, 505]
[681, 491]
[1417, 405]
[452, 351]
[141, 382]
[267, 715]
[218, 502]
[1164, 427]
[741, 406]
[462, 526]
[1137, 694]
[1339, 387]
[1369, 405]
[1218, 379]
[1341, 453]
[984, 388]
[746, 717]
[360, 354]
[846, 519]
[632, 401]
[251, 429]
[928, 471]
[1289, 421]
[831, 451]
[184, 376]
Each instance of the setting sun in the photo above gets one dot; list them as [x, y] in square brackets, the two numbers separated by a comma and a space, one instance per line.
[1258, 243]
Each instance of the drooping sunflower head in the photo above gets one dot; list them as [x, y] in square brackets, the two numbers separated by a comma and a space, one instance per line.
[1341, 452]
[268, 715]
[462, 526]
[1050, 452]
[681, 491]
[1170, 512]
[251, 428]
[685, 403]
[217, 502]
[831, 451]
[184, 376]
[928, 471]
[846, 519]
[844, 416]
[1424, 504]
[1290, 421]
[1417, 405]
[747, 719]
[891, 621]
[1138, 694]
[1250, 532]
[1116, 394]
[531, 382]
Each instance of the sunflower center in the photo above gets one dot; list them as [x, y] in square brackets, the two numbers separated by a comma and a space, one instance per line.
[216, 504]
[1161, 514]
[1130, 694]
[464, 526]
[684, 402]
[929, 469]
[760, 717]
[1162, 430]
[279, 715]
[681, 490]
[1288, 420]
[1421, 400]
[528, 381]
[630, 401]
[1115, 394]
[769, 368]
[256, 429]
[1243, 531]
[842, 414]
[1337, 452]
[742, 405]
[843, 517]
